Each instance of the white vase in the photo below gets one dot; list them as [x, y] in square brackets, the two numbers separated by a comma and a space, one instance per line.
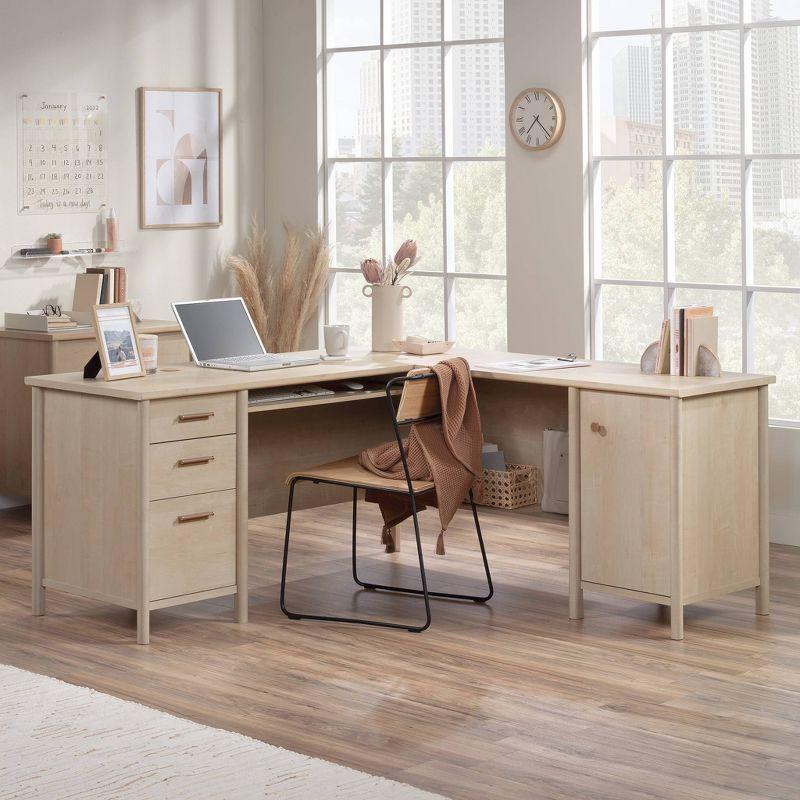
[387, 315]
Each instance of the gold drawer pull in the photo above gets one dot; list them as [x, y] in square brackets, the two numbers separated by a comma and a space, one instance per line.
[199, 415]
[598, 428]
[194, 462]
[195, 517]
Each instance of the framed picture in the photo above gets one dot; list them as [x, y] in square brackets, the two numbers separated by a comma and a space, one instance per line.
[117, 343]
[180, 158]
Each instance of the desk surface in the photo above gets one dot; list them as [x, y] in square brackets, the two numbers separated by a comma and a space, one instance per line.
[145, 326]
[188, 379]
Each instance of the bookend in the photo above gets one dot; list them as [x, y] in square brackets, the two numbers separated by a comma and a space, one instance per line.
[647, 362]
[708, 365]
[92, 367]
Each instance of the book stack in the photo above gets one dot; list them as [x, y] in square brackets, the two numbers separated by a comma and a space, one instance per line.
[681, 338]
[115, 284]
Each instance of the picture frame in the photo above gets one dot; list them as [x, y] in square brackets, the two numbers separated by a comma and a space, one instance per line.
[117, 341]
[180, 157]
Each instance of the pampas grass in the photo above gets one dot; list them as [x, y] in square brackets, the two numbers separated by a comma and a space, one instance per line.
[282, 298]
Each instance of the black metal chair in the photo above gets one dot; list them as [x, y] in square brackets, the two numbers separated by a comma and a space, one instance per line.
[419, 401]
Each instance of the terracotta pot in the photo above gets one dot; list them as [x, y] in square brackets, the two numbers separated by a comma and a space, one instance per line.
[387, 315]
[55, 246]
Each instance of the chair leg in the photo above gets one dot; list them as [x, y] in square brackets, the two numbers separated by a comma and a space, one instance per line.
[425, 592]
[355, 523]
[450, 595]
[483, 551]
[352, 620]
[286, 551]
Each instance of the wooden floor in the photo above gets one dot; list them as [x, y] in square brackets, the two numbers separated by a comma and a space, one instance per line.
[506, 700]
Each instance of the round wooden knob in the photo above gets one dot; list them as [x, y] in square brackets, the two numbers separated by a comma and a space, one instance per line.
[598, 428]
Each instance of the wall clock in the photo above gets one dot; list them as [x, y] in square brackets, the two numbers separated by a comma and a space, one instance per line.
[536, 118]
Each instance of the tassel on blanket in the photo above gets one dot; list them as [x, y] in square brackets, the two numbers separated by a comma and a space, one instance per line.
[440, 545]
[387, 539]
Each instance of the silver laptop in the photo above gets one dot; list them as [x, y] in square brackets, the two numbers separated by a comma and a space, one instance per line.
[221, 334]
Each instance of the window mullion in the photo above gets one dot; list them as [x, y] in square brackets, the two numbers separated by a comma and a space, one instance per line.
[746, 205]
[668, 163]
[448, 241]
[385, 147]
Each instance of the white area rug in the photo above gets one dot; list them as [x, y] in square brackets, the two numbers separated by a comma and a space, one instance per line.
[63, 741]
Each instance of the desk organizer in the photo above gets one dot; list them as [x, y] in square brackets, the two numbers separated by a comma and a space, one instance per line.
[514, 487]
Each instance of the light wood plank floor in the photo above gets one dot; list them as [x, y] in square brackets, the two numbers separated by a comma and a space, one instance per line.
[507, 700]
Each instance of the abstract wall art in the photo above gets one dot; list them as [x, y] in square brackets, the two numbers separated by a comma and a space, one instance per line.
[180, 155]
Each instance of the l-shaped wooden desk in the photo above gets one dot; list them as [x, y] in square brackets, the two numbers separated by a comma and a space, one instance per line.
[142, 488]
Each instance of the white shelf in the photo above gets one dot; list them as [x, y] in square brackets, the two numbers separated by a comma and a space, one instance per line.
[16, 255]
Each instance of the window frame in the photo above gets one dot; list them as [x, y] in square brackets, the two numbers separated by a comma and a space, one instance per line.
[448, 274]
[669, 284]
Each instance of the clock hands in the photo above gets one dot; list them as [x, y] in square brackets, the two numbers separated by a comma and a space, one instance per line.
[546, 132]
[535, 120]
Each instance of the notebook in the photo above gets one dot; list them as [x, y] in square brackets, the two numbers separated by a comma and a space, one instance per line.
[680, 314]
[701, 330]
[87, 291]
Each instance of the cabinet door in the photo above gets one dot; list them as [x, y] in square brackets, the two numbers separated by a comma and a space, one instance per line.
[625, 491]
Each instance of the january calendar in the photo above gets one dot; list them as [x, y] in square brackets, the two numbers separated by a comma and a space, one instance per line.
[63, 152]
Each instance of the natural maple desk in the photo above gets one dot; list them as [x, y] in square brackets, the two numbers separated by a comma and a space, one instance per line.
[141, 488]
[24, 353]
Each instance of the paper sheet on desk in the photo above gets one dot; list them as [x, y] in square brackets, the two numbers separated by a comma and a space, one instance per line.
[531, 364]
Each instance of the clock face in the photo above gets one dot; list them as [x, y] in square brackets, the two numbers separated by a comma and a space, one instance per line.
[536, 118]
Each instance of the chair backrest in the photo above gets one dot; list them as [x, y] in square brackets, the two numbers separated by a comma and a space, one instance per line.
[420, 398]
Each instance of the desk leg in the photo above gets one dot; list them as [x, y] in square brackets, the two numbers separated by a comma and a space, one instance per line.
[762, 590]
[37, 504]
[143, 625]
[575, 591]
[676, 513]
[240, 598]
[143, 586]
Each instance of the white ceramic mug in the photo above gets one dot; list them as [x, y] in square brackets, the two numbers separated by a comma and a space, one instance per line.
[337, 338]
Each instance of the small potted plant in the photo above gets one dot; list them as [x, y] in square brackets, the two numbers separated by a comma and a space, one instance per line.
[55, 243]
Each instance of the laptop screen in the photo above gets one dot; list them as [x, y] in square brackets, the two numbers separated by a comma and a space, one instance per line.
[218, 329]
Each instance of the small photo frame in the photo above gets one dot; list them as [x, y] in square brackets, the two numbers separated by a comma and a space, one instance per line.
[117, 342]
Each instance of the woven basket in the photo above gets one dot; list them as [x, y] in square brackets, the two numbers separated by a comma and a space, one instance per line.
[513, 487]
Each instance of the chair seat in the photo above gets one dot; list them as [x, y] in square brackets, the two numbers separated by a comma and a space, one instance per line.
[350, 473]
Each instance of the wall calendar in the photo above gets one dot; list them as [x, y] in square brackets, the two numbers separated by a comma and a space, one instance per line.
[63, 152]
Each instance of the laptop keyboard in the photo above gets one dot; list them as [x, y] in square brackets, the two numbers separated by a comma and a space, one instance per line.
[269, 358]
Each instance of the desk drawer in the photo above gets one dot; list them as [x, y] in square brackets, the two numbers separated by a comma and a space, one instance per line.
[192, 417]
[192, 467]
[192, 544]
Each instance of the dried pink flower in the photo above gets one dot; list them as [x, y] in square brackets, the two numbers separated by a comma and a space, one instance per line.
[407, 250]
[372, 271]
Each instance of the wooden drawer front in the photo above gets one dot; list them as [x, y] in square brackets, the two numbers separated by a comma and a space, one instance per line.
[192, 417]
[192, 467]
[625, 509]
[192, 544]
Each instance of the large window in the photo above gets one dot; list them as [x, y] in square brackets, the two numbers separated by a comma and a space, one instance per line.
[414, 138]
[695, 177]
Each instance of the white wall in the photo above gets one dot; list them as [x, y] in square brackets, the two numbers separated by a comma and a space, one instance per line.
[114, 47]
[292, 123]
[547, 287]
